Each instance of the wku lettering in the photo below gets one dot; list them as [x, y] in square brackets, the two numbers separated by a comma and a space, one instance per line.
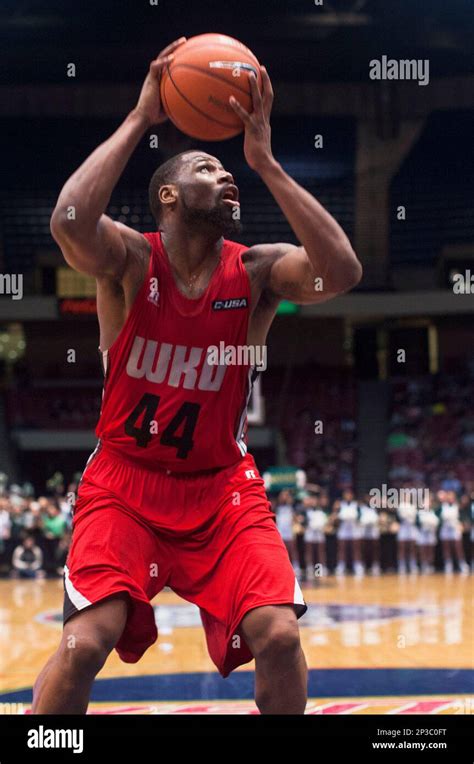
[176, 365]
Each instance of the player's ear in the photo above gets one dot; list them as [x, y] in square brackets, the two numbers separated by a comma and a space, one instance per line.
[168, 194]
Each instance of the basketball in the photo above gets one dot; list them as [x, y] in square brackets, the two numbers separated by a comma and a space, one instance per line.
[197, 84]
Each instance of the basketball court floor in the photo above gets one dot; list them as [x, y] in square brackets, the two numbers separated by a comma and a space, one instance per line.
[389, 645]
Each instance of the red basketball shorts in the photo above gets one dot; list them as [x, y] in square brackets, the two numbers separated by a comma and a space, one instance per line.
[210, 537]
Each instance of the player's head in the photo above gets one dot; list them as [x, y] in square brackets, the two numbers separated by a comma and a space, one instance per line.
[189, 189]
[348, 494]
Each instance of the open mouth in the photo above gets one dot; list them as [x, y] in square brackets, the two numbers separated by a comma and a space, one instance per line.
[231, 196]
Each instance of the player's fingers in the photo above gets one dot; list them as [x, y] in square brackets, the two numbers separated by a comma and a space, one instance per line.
[158, 63]
[171, 47]
[157, 66]
[256, 95]
[242, 113]
[267, 90]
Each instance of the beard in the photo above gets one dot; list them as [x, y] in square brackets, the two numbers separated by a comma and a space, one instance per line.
[219, 218]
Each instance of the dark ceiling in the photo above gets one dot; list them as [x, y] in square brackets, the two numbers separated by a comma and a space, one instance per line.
[112, 40]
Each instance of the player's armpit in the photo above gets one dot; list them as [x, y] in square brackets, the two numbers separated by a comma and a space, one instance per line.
[97, 251]
[286, 271]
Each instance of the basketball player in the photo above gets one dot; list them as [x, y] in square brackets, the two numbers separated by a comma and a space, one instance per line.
[170, 496]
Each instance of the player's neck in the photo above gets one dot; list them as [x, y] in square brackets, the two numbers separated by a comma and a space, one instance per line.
[189, 250]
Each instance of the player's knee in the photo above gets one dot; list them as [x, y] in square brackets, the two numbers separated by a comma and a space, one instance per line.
[280, 642]
[84, 654]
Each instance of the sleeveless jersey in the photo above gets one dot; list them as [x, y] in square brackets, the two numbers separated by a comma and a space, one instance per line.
[166, 404]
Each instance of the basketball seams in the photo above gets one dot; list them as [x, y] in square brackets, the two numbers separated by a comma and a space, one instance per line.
[225, 51]
[225, 80]
[199, 111]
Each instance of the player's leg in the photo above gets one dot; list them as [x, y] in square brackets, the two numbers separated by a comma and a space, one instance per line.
[272, 634]
[64, 685]
[115, 566]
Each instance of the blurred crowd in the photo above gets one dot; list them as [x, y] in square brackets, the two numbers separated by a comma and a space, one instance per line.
[431, 439]
[323, 534]
[375, 534]
[35, 533]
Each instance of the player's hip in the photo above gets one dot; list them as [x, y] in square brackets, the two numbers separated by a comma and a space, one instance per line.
[178, 502]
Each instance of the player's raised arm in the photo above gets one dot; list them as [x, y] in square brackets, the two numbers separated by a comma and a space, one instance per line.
[90, 241]
[325, 264]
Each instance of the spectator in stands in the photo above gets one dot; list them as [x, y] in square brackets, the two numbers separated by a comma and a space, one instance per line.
[32, 520]
[17, 506]
[62, 552]
[66, 502]
[5, 532]
[54, 527]
[451, 483]
[27, 560]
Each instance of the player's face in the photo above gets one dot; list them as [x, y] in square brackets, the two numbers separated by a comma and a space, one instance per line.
[208, 194]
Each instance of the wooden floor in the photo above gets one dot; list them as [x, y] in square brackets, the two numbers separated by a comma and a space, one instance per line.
[373, 645]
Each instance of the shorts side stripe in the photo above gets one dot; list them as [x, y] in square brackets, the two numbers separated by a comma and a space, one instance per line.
[298, 598]
[77, 599]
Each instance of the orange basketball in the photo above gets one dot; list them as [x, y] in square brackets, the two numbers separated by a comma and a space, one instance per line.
[196, 85]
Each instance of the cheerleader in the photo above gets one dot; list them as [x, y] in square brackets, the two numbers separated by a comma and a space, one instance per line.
[370, 528]
[427, 522]
[284, 514]
[315, 538]
[406, 537]
[450, 534]
[348, 533]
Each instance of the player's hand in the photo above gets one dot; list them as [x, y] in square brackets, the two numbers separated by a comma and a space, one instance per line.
[257, 141]
[149, 103]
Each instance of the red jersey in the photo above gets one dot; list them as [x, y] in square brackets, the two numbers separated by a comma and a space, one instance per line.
[166, 404]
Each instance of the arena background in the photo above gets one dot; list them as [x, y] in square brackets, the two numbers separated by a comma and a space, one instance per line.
[387, 369]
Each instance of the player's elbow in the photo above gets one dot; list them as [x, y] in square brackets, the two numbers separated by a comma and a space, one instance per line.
[58, 224]
[354, 271]
[345, 274]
